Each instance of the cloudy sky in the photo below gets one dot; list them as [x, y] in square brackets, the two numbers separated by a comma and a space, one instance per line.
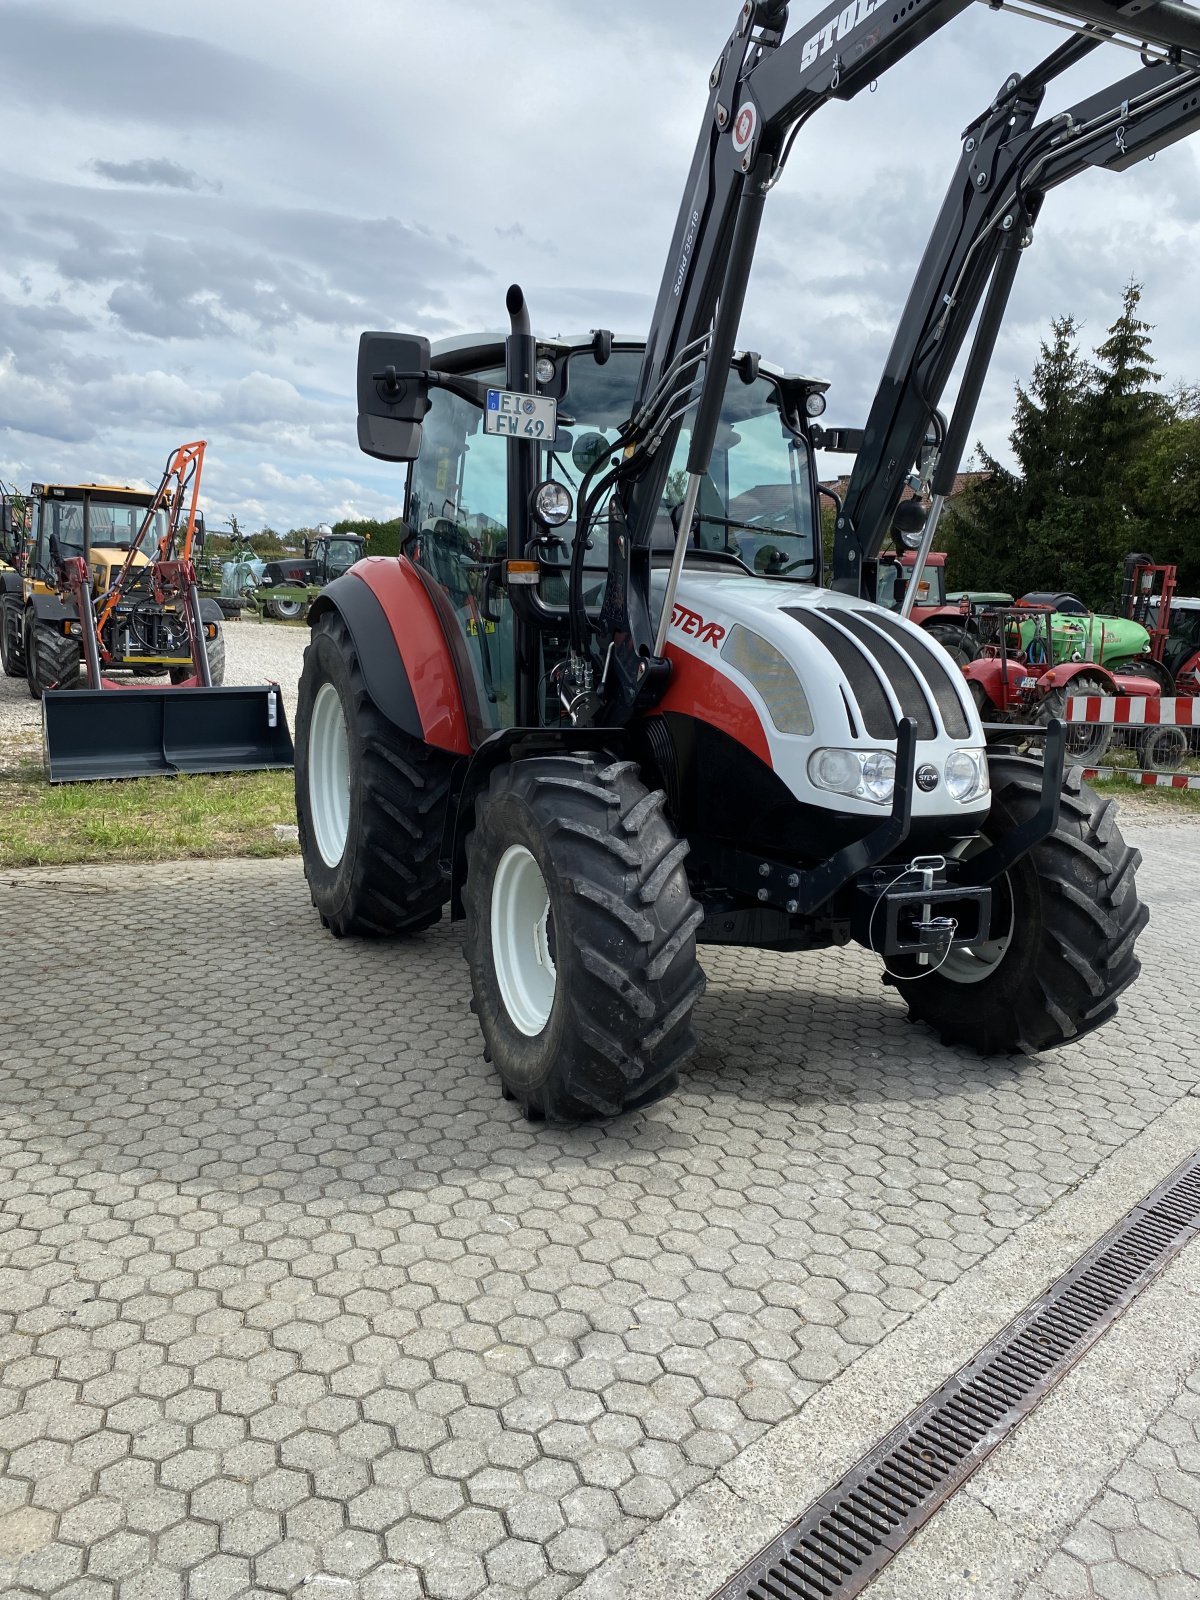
[204, 203]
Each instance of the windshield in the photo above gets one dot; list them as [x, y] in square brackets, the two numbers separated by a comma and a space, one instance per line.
[343, 552]
[756, 499]
[115, 524]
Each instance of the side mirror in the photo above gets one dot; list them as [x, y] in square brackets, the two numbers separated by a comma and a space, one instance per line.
[588, 449]
[393, 394]
[909, 523]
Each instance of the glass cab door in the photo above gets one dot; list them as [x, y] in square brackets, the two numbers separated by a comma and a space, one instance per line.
[457, 516]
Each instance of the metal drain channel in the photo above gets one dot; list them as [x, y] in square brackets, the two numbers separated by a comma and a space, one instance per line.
[834, 1549]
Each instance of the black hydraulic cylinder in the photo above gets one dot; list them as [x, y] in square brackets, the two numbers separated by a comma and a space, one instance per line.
[725, 325]
[978, 362]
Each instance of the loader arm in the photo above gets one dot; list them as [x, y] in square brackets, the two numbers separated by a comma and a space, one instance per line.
[1008, 164]
[762, 90]
[178, 493]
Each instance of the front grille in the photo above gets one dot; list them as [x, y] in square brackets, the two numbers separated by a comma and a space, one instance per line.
[860, 671]
[933, 669]
[915, 700]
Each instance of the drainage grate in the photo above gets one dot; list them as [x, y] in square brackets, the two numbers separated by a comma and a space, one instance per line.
[838, 1545]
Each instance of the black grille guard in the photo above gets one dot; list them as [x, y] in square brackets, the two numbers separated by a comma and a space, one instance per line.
[801, 891]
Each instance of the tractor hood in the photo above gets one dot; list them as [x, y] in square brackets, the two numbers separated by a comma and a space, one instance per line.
[790, 671]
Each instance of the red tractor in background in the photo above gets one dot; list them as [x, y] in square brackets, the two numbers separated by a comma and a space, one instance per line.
[1015, 679]
[952, 624]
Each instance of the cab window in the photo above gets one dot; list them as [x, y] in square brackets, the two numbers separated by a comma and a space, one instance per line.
[457, 516]
[756, 499]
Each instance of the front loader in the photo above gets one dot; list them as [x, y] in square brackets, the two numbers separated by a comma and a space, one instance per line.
[603, 704]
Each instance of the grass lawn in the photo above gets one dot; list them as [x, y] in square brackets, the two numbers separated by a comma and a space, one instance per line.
[1169, 801]
[145, 819]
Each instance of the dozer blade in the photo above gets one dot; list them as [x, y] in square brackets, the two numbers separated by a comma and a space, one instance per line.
[144, 733]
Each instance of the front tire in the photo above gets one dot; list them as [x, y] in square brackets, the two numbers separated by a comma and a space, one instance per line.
[286, 610]
[52, 659]
[1087, 742]
[581, 937]
[215, 649]
[1064, 923]
[370, 800]
[1162, 749]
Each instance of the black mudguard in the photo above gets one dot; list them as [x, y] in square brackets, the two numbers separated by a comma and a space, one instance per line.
[375, 645]
[49, 608]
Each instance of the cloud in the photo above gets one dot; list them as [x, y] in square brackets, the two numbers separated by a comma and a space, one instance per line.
[151, 172]
[74, 61]
[303, 186]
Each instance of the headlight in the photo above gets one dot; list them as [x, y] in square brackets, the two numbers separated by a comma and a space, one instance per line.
[911, 538]
[552, 504]
[966, 774]
[545, 370]
[868, 774]
[814, 404]
[879, 775]
[772, 675]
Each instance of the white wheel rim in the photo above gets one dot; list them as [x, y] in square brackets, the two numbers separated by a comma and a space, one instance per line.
[329, 774]
[521, 955]
[974, 963]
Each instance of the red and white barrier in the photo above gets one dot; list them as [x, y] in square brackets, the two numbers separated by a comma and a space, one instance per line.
[1147, 780]
[1134, 711]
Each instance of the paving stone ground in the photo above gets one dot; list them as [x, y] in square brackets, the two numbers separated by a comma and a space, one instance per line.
[1140, 1540]
[293, 1303]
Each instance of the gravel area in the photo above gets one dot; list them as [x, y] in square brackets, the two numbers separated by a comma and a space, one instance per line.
[255, 652]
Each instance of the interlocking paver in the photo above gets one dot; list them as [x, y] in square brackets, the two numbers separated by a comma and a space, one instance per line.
[291, 1302]
[1141, 1538]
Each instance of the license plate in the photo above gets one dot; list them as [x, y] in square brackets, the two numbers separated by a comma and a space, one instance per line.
[520, 416]
[1029, 683]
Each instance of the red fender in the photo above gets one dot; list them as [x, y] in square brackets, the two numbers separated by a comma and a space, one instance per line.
[1058, 677]
[1187, 678]
[421, 640]
[989, 673]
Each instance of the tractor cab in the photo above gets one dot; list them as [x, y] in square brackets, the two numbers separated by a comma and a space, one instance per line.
[1181, 655]
[96, 521]
[755, 514]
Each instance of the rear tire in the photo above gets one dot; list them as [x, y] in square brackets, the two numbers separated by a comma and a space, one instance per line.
[286, 610]
[581, 937]
[1146, 667]
[12, 644]
[1064, 920]
[52, 659]
[956, 642]
[370, 800]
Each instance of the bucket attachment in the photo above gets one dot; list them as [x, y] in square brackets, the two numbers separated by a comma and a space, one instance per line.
[145, 733]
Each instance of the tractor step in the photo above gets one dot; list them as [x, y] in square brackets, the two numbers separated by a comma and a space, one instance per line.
[90, 734]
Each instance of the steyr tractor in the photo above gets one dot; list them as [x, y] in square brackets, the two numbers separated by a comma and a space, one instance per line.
[608, 705]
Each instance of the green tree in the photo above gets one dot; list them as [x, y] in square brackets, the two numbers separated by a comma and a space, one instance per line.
[383, 538]
[1001, 531]
[1095, 446]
